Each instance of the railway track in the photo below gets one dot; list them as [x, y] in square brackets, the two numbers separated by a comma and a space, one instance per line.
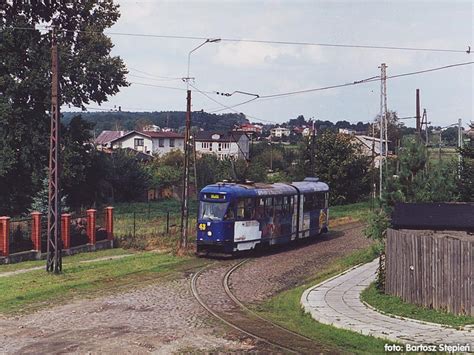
[236, 315]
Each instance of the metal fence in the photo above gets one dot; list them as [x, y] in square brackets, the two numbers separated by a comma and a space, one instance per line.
[435, 270]
[20, 235]
[79, 229]
[150, 223]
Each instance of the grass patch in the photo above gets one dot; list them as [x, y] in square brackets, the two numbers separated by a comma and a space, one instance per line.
[36, 289]
[66, 259]
[356, 211]
[157, 208]
[395, 305]
[285, 309]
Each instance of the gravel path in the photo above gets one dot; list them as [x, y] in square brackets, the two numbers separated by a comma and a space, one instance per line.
[164, 318]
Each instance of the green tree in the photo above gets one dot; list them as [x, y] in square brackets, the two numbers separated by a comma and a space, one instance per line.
[88, 74]
[168, 170]
[419, 180]
[76, 160]
[339, 162]
[466, 182]
[127, 176]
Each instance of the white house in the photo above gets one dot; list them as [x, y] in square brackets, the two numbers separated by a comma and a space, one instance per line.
[145, 142]
[165, 142]
[134, 140]
[224, 145]
[279, 132]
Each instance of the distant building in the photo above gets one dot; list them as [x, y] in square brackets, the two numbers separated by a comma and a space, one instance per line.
[148, 142]
[151, 128]
[368, 144]
[225, 145]
[304, 131]
[105, 138]
[250, 128]
[279, 132]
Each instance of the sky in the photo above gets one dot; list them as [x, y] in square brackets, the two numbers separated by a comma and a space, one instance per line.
[265, 69]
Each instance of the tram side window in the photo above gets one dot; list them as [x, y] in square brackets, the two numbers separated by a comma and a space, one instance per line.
[269, 207]
[319, 201]
[308, 204]
[278, 202]
[259, 208]
[245, 208]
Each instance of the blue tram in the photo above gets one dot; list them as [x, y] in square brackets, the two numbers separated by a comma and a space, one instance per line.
[234, 216]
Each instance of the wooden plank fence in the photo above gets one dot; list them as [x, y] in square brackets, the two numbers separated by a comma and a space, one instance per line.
[431, 269]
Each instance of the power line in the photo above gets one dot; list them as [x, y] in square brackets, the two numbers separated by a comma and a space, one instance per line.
[154, 75]
[368, 80]
[245, 40]
[167, 87]
[153, 79]
[229, 107]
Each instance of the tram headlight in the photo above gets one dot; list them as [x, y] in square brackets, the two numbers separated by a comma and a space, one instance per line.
[209, 233]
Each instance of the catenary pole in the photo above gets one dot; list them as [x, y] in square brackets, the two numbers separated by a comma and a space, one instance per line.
[54, 248]
[383, 78]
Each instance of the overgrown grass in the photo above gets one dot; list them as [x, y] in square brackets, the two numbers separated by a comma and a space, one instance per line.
[356, 211]
[395, 305]
[285, 309]
[66, 259]
[36, 289]
[156, 208]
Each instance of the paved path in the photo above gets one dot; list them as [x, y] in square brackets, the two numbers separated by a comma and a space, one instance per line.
[337, 302]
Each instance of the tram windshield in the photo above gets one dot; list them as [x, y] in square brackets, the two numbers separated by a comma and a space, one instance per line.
[214, 211]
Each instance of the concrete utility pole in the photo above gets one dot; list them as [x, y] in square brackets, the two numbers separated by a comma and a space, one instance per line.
[54, 249]
[187, 152]
[383, 116]
[460, 144]
[425, 123]
[418, 114]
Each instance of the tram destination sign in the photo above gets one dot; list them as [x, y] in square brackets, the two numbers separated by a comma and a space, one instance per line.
[215, 197]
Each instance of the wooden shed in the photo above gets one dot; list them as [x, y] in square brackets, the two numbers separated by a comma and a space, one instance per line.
[430, 256]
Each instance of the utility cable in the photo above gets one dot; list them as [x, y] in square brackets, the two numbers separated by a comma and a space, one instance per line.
[321, 44]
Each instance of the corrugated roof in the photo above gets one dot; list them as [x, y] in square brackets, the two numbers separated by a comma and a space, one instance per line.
[108, 136]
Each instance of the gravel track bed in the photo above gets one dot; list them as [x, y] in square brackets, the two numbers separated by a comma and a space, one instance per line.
[267, 275]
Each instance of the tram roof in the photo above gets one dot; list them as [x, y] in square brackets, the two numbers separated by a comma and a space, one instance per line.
[260, 189]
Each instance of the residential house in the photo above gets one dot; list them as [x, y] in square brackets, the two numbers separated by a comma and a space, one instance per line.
[369, 146]
[279, 132]
[138, 141]
[250, 128]
[223, 144]
[165, 142]
[105, 138]
[145, 142]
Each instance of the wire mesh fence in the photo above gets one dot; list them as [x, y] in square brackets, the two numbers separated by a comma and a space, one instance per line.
[100, 225]
[20, 235]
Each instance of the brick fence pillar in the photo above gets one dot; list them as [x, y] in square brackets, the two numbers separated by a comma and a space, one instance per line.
[4, 236]
[109, 222]
[91, 220]
[36, 230]
[66, 230]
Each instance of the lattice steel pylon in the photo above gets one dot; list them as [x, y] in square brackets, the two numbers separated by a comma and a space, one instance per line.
[54, 261]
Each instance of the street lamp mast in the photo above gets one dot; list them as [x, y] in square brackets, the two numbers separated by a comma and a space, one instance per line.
[187, 130]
